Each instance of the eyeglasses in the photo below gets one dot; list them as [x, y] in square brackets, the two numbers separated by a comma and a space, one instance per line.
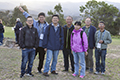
[29, 20]
[101, 24]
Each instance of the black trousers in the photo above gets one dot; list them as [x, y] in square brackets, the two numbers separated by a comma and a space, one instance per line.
[41, 53]
[66, 54]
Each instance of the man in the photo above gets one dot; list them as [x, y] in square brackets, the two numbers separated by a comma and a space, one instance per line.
[53, 42]
[102, 38]
[28, 41]
[90, 31]
[17, 28]
[1, 32]
[67, 49]
[40, 25]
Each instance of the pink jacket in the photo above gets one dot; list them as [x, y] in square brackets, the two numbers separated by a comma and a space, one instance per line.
[76, 41]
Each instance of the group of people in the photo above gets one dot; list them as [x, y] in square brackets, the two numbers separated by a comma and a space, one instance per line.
[39, 37]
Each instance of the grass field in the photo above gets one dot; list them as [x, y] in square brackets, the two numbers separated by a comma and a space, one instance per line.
[9, 32]
[10, 62]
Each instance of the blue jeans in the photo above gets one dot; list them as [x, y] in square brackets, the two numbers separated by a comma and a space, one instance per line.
[1, 38]
[50, 54]
[28, 55]
[100, 54]
[79, 56]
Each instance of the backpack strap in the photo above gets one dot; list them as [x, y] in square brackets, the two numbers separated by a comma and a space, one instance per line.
[81, 34]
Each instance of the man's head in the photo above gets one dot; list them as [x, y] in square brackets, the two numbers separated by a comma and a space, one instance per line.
[0, 20]
[29, 21]
[101, 25]
[18, 19]
[69, 20]
[77, 25]
[41, 17]
[55, 19]
[88, 21]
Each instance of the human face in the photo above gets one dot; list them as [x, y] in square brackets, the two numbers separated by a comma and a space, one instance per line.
[41, 19]
[69, 20]
[29, 21]
[77, 27]
[55, 20]
[101, 26]
[88, 22]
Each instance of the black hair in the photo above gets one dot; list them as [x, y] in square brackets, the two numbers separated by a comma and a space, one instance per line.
[55, 15]
[41, 14]
[29, 17]
[102, 22]
[77, 23]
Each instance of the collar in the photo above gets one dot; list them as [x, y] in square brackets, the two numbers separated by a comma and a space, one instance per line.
[29, 27]
[56, 26]
[70, 26]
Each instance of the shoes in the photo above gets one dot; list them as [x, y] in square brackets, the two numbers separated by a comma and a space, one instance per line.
[74, 75]
[46, 74]
[102, 73]
[21, 75]
[29, 74]
[96, 73]
[81, 76]
[53, 72]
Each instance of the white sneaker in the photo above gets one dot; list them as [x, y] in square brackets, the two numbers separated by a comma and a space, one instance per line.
[96, 72]
[102, 73]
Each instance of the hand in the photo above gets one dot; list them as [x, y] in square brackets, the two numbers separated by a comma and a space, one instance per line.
[101, 41]
[71, 51]
[45, 49]
[86, 53]
[34, 48]
[21, 9]
[23, 49]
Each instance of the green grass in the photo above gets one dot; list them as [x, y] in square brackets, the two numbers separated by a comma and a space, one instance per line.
[9, 32]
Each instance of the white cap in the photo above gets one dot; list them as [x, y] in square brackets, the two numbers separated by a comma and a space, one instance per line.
[18, 19]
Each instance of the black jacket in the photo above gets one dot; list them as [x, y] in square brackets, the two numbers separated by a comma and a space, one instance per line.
[1, 28]
[28, 37]
[65, 35]
[17, 27]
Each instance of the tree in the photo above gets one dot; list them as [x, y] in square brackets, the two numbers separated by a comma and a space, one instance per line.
[57, 10]
[18, 14]
[100, 11]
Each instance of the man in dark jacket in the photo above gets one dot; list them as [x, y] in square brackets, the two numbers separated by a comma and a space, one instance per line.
[90, 31]
[53, 42]
[67, 49]
[1, 32]
[17, 28]
[28, 41]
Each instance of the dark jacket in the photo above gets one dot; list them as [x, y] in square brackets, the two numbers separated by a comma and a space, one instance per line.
[91, 39]
[1, 28]
[52, 39]
[69, 37]
[28, 37]
[17, 27]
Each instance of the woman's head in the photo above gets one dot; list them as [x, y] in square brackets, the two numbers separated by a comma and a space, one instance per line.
[77, 25]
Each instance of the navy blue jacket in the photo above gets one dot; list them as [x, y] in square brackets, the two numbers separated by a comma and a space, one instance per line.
[17, 27]
[52, 40]
[1, 28]
[91, 40]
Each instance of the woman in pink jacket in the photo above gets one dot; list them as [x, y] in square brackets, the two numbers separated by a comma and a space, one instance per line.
[79, 46]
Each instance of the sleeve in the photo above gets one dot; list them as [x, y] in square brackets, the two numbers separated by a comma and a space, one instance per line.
[62, 38]
[94, 37]
[45, 39]
[26, 15]
[36, 39]
[21, 39]
[85, 42]
[71, 41]
[108, 40]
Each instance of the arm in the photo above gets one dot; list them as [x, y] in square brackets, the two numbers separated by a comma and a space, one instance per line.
[45, 39]
[85, 42]
[36, 39]
[21, 39]
[71, 40]
[62, 38]
[25, 13]
[94, 37]
[108, 40]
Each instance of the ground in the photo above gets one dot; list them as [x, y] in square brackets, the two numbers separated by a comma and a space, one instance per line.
[10, 62]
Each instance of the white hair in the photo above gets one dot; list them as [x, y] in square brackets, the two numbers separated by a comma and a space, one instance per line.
[18, 19]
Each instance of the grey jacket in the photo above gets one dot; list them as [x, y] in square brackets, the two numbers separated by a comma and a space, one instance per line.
[106, 38]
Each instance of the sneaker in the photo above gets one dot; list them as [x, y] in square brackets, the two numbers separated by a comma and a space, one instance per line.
[74, 75]
[65, 70]
[81, 76]
[102, 73]
[91, 70]
[21, 75]
[87, 69]
[96, 72]
[46, 74]
[53, 72]
[29, 74]
[40, 72]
